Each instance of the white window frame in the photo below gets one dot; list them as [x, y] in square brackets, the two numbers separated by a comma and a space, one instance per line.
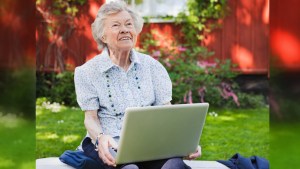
[154, 19]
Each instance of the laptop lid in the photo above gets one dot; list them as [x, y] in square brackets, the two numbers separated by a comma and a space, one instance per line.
[159, 132]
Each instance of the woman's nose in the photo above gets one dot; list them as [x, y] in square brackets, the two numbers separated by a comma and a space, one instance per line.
[124, 29]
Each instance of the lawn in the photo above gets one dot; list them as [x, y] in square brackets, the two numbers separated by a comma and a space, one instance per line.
[17, 143]
[284, 150]
[236, 131]
[226, 132]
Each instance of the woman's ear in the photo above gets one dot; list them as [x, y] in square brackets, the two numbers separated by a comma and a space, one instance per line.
[103, 39]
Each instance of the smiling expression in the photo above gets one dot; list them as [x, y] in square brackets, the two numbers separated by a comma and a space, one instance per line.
[119, 31]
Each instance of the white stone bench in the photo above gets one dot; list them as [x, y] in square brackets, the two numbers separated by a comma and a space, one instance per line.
[55, 163]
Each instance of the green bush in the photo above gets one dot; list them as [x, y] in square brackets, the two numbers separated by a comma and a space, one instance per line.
[249, 100]
[44, 83]
[57, 87]
[214, 98]
[64, 89]
[17, 92]
[246, 100]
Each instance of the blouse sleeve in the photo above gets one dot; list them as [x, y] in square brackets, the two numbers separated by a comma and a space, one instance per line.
[86, 93]
[162, 84]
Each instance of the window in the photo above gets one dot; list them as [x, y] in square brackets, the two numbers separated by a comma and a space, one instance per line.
[156, 9]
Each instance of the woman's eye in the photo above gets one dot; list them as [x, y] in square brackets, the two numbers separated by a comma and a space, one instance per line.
[115, 25]
[129, 24]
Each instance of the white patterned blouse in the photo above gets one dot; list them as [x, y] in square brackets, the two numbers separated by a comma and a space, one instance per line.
[101, 85]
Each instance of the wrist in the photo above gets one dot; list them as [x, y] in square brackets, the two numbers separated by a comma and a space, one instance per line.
[98, 139]
[99, 136]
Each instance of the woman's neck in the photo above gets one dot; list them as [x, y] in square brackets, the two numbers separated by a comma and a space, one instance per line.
[120, 58]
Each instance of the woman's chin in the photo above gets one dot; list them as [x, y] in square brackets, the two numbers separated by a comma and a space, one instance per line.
[126, 47]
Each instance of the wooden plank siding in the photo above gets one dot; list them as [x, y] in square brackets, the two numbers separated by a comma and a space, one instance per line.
[285, 35]
[243, 38]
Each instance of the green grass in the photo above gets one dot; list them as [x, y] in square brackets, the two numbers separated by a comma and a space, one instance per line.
[284, 150]
[236, 131]
[232, 131]
[17, 143]
[58, 131]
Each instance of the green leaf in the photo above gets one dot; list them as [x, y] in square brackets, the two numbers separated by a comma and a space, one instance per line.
[56, 12]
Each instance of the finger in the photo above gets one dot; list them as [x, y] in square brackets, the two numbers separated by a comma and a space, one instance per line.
[113, 143]
[194, 155]
[108, 156]
[105, 155]
[102, 157]
[199, 150]
[107, 161]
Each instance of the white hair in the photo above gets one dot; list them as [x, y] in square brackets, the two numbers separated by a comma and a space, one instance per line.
[112, 8]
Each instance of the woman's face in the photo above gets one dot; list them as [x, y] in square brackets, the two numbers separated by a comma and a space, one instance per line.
[119, 31]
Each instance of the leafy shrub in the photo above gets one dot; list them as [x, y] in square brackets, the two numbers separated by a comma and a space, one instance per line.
[249, 100]
[64, 89]
[246, 100]
[214, 98]
[39, 101]
[17, 92]
[44, 83]
[57, 87]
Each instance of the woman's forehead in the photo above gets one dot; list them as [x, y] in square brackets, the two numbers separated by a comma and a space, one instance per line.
[120, 16]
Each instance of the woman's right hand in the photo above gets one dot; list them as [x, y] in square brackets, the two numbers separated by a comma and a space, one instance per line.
[104, 142]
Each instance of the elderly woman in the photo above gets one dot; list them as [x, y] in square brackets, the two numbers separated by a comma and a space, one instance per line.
[118, 78]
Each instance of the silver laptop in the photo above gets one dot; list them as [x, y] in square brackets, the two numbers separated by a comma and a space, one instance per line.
[159, 132]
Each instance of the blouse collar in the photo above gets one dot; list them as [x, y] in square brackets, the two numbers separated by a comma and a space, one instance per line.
[106, 63]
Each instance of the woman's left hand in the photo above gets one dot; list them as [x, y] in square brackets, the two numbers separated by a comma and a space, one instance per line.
[194, 155]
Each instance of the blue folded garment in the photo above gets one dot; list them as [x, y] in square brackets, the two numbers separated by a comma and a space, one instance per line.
[79, 160]
[237, 161]
[86, 159]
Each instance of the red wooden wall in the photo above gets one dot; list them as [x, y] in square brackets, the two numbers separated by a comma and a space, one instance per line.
[244, 38]
[16, 44]
[285, 34]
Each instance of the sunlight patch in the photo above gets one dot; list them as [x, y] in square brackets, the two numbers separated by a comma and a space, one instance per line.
[70, 138]
[5, 163]
[242, 116]
[47, 136]
[38, 111]
[27, 165]
[39, 127]
[226, 118]
[10, 120]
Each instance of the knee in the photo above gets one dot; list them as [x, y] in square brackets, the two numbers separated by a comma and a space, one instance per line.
[174, 163]
[130, 166]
